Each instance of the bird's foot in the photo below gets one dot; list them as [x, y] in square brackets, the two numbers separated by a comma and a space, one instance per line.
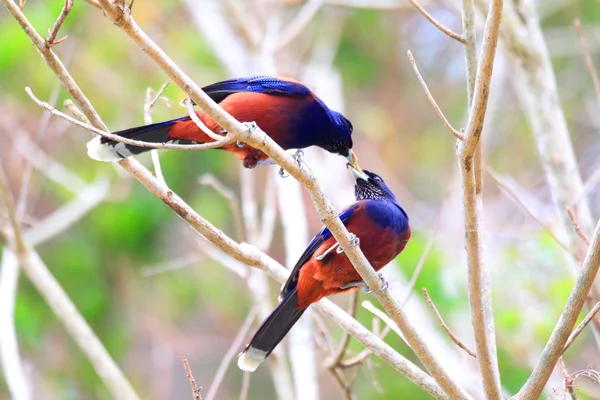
[250, 127]
[240, 144]
[282, 173]
[354, 240]
[298, 155]
[382, 282]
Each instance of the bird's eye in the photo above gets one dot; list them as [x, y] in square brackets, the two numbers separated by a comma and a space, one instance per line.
[377, 179]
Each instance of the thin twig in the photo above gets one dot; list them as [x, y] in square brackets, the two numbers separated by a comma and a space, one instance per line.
[212, 181]
[443, 325]
[245, 21]
[577, 227]
[345, 388]
[189, 105]
[26, 176]
[363, 355]
[224, 139]
[94, 3]
[245, 386]
[367, 305]
[581, 326]
[188, 371]
[435, 23]
[172, 265]
[269, 212]
[62, 218]
[588, 58]
[75, 112]
[504, 186]
[14, 373]
[151, 101]
[339, 355]
[568, 379]
[306, 14]
[437, 109]
[233, 350]
[51, 40]
[148, 104]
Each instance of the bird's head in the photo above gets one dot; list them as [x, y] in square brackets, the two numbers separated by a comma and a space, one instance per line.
[370, 186]
[339, 141]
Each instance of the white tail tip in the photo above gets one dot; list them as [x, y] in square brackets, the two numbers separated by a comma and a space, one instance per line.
[250, 359]
[102, 152]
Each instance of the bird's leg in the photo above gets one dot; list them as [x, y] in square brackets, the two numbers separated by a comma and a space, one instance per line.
[384, 284]
[282, 173]
[354, 284]
[298, 156]
[320, 257]
[265, 162]
[354, 241]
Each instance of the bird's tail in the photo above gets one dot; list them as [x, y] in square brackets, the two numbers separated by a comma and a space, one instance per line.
[271, 332]
[103, 149]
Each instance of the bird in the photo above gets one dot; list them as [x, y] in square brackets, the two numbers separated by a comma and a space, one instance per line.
[285, 109]
[380, 227]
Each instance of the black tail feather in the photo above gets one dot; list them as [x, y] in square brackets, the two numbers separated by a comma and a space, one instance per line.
[109, 150]
[271, 332]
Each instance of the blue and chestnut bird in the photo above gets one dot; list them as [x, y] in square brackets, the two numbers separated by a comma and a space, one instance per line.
[290, 113]
[381, 226]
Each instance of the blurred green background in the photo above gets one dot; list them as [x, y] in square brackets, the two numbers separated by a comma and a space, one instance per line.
[112, 262]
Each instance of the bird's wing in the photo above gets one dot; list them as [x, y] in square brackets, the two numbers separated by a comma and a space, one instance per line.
[314, 244]
[260, 84]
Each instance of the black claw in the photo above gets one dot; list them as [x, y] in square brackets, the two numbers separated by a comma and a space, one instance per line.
[282, 173]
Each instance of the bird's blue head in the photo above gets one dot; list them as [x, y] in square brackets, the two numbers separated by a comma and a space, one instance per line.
[339, 141]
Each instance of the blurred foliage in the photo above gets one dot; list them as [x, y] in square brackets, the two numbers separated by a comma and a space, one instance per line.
[148, 323]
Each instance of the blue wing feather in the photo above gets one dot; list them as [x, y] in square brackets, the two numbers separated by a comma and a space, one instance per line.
[260, 84]
[314, 244]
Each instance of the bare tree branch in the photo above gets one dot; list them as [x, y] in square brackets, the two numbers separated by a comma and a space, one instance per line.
[259, 140]
[188, 371]
[212, 145]
[435, 23]
[148, 104]
[581, 326]
[229, 195]
[588, 59]
[504, 186]
[443, 325]
[245, 253]
[556, 344]
[233, 350]
[62, 306]
[300, 22]
[480, 299]
[14, 373]
[437, 109]
[577, 227]
[51, 40]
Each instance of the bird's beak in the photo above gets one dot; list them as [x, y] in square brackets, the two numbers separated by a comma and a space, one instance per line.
[355, 170]
[353, 161]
